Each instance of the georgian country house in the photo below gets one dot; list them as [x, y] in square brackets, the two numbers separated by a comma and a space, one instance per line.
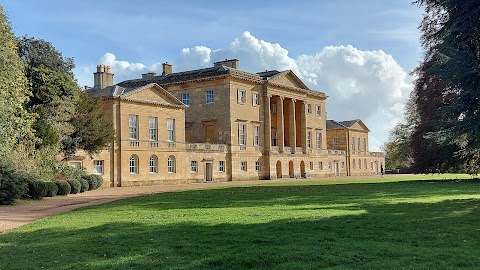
[222, 124]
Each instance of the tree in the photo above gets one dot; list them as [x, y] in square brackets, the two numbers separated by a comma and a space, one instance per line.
[449, 87]
[93, 130]
[15, 121]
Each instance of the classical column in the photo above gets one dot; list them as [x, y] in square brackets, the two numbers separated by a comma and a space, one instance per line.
[267, 122]
[292, 125]
[280, 128]
[303, 129]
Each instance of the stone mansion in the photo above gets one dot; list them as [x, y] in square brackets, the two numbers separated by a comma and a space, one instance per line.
[222, 124]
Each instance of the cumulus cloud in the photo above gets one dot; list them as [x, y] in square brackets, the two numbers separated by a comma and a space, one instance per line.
[368, 85]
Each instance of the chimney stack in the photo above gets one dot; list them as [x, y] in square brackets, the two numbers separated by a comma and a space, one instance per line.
[232, 63]
[167, 69]
[148, 74]
[103, 77]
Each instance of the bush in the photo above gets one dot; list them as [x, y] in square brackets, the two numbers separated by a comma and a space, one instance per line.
[64, 187]
[84, 185]
[67, 172]
[12, 185]
[52, 189]
[75, 185]
[94, 181]
[37, 189]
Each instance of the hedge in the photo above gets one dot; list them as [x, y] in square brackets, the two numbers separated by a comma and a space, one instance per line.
[75, 184]
[52, 189]
[13, 185]
[63, 187]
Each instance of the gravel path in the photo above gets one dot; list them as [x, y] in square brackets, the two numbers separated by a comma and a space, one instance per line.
[25, 212]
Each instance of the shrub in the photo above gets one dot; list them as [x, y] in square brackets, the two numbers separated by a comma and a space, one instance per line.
[84, 185]
[66, 172]
[52, 189]
[37, 189]
[94, 181]
[75, 185]
[12, 185]
[63, 187]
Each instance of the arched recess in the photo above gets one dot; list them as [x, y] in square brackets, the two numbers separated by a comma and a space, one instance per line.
[279, 169]
[291, 171]
[302, 168]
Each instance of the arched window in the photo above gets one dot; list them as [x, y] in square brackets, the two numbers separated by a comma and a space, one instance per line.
[153, 164]
[134, 164]
[171, 164]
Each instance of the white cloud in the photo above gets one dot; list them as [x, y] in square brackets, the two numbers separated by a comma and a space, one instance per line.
[369, 85]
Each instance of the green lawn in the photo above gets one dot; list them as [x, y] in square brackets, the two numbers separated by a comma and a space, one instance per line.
[316, 225]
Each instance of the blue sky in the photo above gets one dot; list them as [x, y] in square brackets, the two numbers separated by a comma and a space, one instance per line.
[358, 52]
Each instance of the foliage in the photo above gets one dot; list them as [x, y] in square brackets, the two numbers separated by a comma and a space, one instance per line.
[450, 76]
[84, 185]
[395, 225]
[75, 185]
[68, 172]
[94, 181]
[12, 185]
[37, 189]
[15, 121]
[64, 187]
[53, 88]
[397, 148]
[52, 189]
[93, 130]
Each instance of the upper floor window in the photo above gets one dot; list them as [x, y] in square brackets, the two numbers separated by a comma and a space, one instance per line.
[171, 130]
[209, 97]
[353, 143]
[133, 126]
[309, 139]
[242, 128]
[358, 145]
[241, 96]
[152, 128]
[98, 167]
[256, 135]
[274, 138]
[186, 98]
[309, 108]
[255, 99]
[365, 145]
[336, 143]
[319, 110]
[274, 108]
[319, 140]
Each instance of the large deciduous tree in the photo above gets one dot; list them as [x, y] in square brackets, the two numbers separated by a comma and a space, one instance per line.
[448, 88]
[15, 121]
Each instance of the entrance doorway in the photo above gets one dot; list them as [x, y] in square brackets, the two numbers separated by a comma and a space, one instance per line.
[208, 171]
[291, 172]
[279, 169]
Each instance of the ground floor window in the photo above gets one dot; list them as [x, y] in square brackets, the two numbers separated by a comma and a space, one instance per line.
[221, 166]
[343, 165]
[193, 166]
[171, 164]
[311, 166]
[243, 166]
[134, 164]
[97, 167]
[320, 166]
[330, 165]
[153, 164]
[257, 166]
[365, 164]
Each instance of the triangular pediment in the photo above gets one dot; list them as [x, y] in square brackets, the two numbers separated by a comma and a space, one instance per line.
[288, 78]
[152, 93]
[359, 125]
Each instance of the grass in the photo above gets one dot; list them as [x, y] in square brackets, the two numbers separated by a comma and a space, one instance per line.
[358, 224]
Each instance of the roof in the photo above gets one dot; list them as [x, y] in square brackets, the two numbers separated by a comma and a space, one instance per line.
[332, 124]
[126, 92]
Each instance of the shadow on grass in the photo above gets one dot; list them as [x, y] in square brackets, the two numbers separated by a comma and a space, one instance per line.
[437, 235]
